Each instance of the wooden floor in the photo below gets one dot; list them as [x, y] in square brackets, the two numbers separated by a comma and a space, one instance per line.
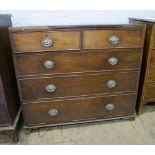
[140, 131]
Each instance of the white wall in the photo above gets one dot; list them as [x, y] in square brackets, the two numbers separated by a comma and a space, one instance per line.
[32, 18]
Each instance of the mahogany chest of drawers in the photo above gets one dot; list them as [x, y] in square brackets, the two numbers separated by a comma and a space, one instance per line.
[147, 80]
[77, 74]
[9, 100]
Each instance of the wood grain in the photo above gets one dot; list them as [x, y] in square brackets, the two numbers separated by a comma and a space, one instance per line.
[152, 58]
[32, 64]
[151, 73]
[80, 72]
[79, 109]
[31, 42]
[149, 91]
[98, 39]
[145, 93]
[75, 85]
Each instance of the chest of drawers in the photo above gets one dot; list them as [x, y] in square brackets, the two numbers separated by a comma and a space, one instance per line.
[77, 74]
[147, 80]
[9, 100]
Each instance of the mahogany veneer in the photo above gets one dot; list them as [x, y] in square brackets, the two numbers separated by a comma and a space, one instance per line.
[77, 74]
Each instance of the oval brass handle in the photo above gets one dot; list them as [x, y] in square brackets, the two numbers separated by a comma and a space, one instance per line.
[111, 84]
[53, 112]
[113, 61]
[48, 64]
[109, 106]
[113, 40]
[47, 42]
[50, 88]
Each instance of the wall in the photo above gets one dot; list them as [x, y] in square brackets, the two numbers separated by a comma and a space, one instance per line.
[32, 18]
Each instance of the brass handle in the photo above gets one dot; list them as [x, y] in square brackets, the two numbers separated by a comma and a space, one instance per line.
[48, 64]
[47, 42]
[113, 40]
[53, 112]
[109, 106]
[50, 88]
[111, 84]
[113, 61]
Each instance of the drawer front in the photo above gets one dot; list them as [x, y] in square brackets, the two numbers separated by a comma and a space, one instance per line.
[79, 109]
[150, 91]
[53, 63]
[46, 41]
[98, 39]
[3, 115]
[151, 73]
[75, 85]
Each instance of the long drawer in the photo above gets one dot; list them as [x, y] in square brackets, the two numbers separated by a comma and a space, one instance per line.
[99, 39]
[46, 41]
[75, 110]
[75, 85]
[53, 63]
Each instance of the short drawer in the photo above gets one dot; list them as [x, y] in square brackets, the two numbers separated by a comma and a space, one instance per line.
[76, 85]
[150, 91]
[151, 73]
[45, 41]
[53, 63]
[76, 110]
[99, 39]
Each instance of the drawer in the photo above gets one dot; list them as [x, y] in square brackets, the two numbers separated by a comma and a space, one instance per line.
[46, 41]
[76, 85]
[99, 39]
[149, 91]
[53, 63]
[75, 110]
[151, 73]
